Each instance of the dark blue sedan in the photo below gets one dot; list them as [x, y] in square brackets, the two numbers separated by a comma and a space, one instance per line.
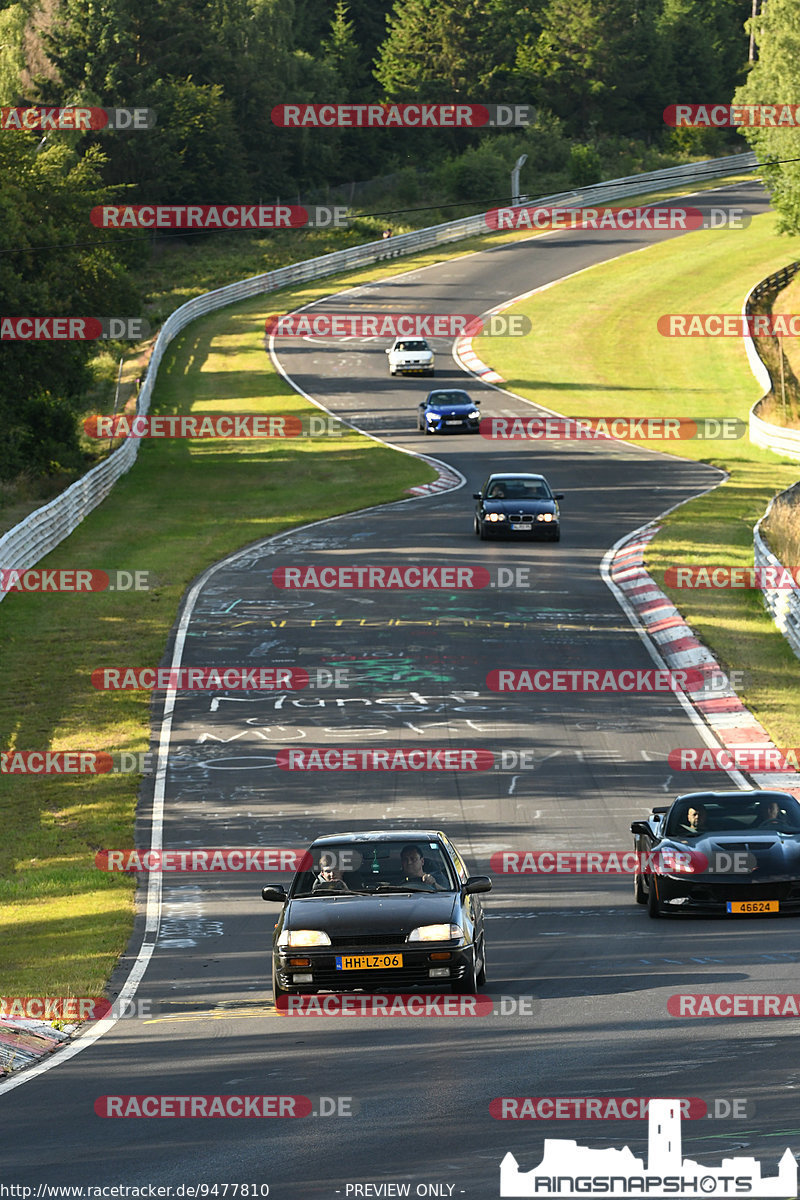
[517, 505]
[451, 411]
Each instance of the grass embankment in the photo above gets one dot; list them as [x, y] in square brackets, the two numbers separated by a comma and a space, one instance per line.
[603, 356]
[183, 506]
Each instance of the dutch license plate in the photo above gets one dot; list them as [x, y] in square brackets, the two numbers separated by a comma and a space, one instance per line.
[368, 962]
[527, 525]
[753, 906]
[454, 422]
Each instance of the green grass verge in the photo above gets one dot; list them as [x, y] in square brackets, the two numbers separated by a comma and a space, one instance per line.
[597, 352]
[183, 506]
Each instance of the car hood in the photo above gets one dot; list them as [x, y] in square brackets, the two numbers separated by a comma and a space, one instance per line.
[773, 855]
[520, 506]
[451, 410]
[414, 355]
[340, 914]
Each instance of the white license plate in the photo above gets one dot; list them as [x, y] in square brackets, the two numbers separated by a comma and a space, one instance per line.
[526, 526]
[454, 422]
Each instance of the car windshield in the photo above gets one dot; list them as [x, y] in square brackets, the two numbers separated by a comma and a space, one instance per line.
[411, 346]
[449, 398]
[518, 489]
[762, 812]
[365, 868]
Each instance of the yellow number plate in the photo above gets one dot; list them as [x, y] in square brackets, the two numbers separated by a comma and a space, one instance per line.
[753, 906]
[368, 962]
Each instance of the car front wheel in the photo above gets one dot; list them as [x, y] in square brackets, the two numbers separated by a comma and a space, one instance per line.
[469, 982]
[481, 976]
[277, 990]
[653, 907]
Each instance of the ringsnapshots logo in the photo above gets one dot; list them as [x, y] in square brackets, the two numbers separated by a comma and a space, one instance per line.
[570, 1170]
[629, 429]
[73, 329]
[43, 118]
[729, 325]
[395, 325]
[615, 220]
[402, 116]
[732, 116]
[73, 580]
[218, 216]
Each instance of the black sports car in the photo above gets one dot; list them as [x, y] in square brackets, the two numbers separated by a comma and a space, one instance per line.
[380, 911]
[517, 505]
[720, 852]
[449, 412]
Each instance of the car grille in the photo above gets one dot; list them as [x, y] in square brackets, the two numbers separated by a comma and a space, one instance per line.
[378, 940]
[779, 890]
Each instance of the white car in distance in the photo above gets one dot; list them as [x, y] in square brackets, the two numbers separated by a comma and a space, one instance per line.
[410, 356]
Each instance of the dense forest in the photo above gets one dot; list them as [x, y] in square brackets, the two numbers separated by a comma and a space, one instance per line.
[599, 73]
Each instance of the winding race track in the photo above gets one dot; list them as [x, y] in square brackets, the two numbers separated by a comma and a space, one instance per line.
[579, 975]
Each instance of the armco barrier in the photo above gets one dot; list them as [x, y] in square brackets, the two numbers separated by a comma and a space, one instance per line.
[783, 603]
[771, 437]
[41, 532]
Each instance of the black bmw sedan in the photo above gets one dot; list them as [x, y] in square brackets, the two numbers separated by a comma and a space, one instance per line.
[380, 910]
[517, 505]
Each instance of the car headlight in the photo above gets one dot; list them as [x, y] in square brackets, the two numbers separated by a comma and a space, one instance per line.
[495, 516]
[303, 937]
[545, 517]
[432, 416]
[435, 933]
[474, 414]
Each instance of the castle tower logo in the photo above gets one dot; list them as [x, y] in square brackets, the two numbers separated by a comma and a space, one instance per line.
[568, 1169]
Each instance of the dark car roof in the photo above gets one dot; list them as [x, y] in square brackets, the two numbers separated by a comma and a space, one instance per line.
[378, 835]
[752, 794]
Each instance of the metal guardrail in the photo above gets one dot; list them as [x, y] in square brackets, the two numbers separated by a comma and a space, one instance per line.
[783, 603]
[777, 438]
[40, 532]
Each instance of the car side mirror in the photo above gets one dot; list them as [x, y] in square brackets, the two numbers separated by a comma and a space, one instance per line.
[642, 829]
[476, 401]
[558, 495]
[477, 495]
[276, 892]
[477, 883]
[388, 350]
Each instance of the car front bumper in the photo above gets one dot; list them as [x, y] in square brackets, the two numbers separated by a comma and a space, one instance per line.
[414, 973]
[712, 895]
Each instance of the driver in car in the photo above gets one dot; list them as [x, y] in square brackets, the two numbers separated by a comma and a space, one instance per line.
[695, 822]
[413, 863]
[329, 879]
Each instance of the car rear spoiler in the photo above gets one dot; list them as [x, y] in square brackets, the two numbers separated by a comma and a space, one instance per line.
[662, 809]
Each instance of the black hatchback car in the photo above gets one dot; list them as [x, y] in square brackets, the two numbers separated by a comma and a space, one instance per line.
[380, 910]
[517, 505]
[450, 411]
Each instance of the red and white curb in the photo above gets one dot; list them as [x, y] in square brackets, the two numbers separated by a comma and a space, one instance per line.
[466, 357]
[446, 480]
[731, 723]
